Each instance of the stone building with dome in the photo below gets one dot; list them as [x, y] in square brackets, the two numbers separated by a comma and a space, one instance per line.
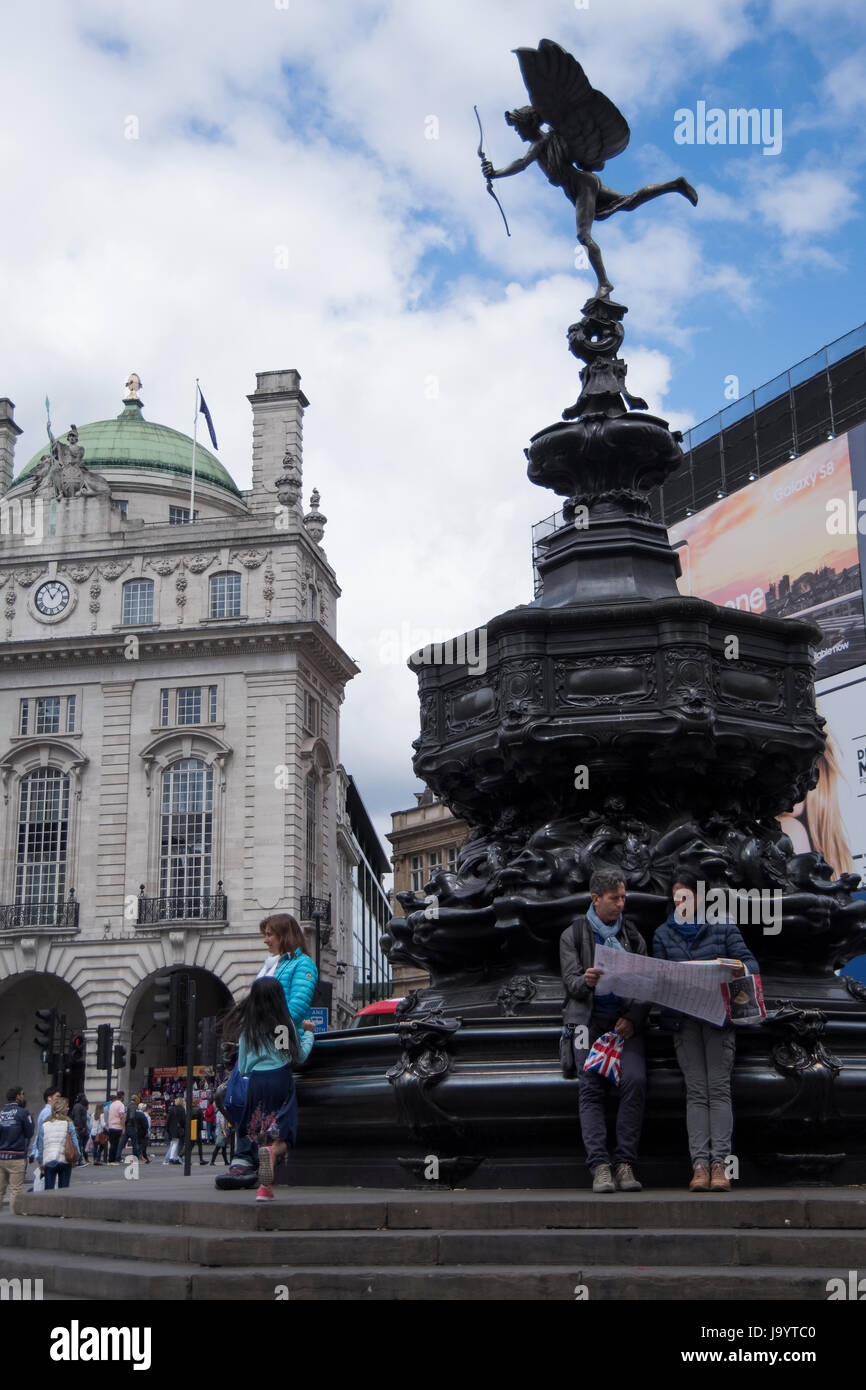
[170, 689]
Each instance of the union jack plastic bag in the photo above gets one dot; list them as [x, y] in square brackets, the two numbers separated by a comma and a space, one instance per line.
[605, 1056]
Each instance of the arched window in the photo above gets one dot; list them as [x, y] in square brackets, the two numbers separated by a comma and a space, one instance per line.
[312, 603]
[186, 838]
[225, 595]
[138, 601]
[43, 831]
[311, 841]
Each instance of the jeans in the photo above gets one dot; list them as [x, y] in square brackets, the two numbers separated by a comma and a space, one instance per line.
[171, 1152]
[114, 1136]
[246, 1152]
[60, 1171]
[706, 1057]
[631, 1095]
[129, 1136]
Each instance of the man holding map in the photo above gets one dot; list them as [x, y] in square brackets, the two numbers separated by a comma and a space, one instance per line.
[594, 1013]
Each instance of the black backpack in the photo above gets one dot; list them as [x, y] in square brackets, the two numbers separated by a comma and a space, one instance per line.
[567, 1061]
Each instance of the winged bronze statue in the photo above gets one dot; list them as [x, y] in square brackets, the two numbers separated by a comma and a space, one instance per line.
[584, 130]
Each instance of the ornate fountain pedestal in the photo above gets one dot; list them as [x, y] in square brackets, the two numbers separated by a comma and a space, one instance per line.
[615, 724]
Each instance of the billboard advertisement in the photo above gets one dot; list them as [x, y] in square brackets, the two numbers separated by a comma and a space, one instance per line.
[789, 544]
[832, 818]
[793, 544]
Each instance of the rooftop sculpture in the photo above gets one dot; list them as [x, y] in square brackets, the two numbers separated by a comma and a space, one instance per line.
[64, 473]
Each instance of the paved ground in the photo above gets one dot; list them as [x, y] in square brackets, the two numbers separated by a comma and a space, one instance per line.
[158, 1181]
[154, 1178]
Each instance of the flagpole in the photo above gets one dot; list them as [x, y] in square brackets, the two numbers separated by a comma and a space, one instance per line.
[192, 475]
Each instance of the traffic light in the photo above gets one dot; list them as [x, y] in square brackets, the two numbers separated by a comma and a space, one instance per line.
[170, 1001]
[119, 1056]
[104, 1037]
[46, 1033]
[207, 1042]
[76, 1048]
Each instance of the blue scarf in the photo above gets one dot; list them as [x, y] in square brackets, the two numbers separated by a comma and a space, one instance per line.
[689, 930]
[608, 934]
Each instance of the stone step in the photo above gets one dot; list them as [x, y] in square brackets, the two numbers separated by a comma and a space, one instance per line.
[133, 1278]
[320, 1209]
[599, 1247]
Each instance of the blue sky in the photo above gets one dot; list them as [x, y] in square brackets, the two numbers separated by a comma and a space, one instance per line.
[430, 345]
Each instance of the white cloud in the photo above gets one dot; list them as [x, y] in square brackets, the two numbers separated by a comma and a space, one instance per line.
[159, 255]
[810, 202]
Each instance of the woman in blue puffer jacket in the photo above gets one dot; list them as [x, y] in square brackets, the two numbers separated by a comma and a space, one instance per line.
[705, 1051]
[287, 963]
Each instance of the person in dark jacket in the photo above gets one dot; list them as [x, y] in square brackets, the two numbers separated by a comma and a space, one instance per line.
[16, 1132]
[595, 1012]
[130, 1132]
[705, 1051]
[175, 1129]
[196, 1126]
[79, 1120]
[142, 1122]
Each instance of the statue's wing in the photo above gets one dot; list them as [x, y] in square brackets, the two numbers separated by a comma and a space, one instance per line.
[593, 128]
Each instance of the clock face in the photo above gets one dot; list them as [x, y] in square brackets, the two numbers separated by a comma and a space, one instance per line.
[51, 598]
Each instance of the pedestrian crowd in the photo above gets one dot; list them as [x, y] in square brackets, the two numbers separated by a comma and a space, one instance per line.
[252, 1120]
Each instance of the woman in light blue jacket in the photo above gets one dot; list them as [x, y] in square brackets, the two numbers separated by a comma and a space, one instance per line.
[289, 964]
[295, 972]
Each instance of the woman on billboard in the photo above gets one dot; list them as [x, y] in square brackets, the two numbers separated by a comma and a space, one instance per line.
[815, 823]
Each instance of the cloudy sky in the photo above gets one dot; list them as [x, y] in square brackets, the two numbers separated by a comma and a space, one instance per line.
[218, 188]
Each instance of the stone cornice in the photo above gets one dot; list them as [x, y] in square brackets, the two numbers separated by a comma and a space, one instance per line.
[307, 639]
[346, 842]
[240, 534]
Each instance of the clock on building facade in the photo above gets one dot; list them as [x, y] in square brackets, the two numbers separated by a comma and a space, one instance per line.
[52, 599]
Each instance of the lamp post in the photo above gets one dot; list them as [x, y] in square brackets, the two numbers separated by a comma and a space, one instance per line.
[318, 911]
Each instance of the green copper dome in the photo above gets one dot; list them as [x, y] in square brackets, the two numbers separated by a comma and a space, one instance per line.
[131, 442]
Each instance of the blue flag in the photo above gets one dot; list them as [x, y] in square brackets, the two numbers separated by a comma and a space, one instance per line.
[203, 410]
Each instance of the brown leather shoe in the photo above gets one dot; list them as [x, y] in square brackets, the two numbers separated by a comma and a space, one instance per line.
[700, 1178]
[719, 1182]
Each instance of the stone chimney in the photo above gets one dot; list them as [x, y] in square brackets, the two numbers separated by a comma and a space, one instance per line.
[278, 422]
[9, 432]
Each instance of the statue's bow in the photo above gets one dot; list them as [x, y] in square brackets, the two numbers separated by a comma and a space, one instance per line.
[489, 181]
